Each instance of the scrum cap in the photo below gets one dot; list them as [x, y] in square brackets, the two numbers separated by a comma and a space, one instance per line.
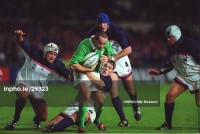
[51, 47]
[103, 18]
[173, 30]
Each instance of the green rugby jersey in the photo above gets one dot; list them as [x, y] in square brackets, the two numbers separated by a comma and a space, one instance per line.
[86, 46]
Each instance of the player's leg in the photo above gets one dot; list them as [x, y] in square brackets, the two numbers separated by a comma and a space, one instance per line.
[55, 120]
[98, 98]
[60, 122]
[175, 90]
[197, 94]
[40, 109]
[129, 87]
[50, 126]
[116, 101]
[83, 106]
[19, 105]
[65, 122]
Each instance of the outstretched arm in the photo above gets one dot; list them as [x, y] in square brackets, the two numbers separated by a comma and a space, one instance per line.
[168, 67]
[153, 71]
[124, 52]
[24, 43]
[96, 81]
[19, 36]
[78, 67]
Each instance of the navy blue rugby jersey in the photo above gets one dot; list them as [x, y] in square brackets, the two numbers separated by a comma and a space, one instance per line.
[115, 33]
[185, 57]
[35, 66]
[186, 46]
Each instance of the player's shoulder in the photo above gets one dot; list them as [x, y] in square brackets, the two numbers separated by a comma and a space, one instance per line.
[114, 76]
[192, 41]
[84, 42]
[116, 30]
[189, 42]
[92, 31]
[114, 26]
[106, 78]
[58, 63]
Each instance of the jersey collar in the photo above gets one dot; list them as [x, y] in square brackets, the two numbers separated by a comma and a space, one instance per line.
[92, 44]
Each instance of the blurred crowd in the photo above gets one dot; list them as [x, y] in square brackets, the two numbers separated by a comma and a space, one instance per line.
[149, 47]
[66, 23]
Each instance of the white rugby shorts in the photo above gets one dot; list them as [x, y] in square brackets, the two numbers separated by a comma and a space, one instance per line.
[81, 77]
[72, 109]
[192, 82]
[38, 94]
[123, 67]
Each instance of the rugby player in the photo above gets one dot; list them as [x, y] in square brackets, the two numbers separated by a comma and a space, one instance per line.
[96, 43]
[70, 115]
[121, 46]
[185, 59]
[39, 67]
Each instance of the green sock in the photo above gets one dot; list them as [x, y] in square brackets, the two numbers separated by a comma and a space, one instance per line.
[98, 111]
[82, 114]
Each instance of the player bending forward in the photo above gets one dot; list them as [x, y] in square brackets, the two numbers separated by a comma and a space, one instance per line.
[185, 59]
[70, 115]
[39, 67]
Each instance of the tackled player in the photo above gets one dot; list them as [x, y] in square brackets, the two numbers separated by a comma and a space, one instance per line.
[96, 43]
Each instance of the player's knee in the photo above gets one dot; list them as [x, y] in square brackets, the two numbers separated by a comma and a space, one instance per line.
[131, 91]
[86, 98]
[170, 97]
[22, 95]
[114, 92]
[99, 103]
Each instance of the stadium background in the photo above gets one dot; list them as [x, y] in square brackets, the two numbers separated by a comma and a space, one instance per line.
[67, 22]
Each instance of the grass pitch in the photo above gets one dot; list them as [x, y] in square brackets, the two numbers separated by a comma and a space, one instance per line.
[185, 116]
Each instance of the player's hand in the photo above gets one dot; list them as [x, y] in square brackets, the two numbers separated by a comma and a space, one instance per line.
[104, 59]
[94, 66]
[153, 72]
[19, 36]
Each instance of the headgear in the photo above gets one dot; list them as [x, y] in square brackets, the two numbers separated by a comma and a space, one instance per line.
[174, 31]
[103, 18]
[50, 47]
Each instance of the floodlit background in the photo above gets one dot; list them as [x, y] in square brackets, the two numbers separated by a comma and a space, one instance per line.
[66, 23]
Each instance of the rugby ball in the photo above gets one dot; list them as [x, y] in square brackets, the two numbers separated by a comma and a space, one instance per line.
[90, 59]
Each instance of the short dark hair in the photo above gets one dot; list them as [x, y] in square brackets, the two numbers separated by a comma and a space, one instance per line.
[100, 33]
[112, 63]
